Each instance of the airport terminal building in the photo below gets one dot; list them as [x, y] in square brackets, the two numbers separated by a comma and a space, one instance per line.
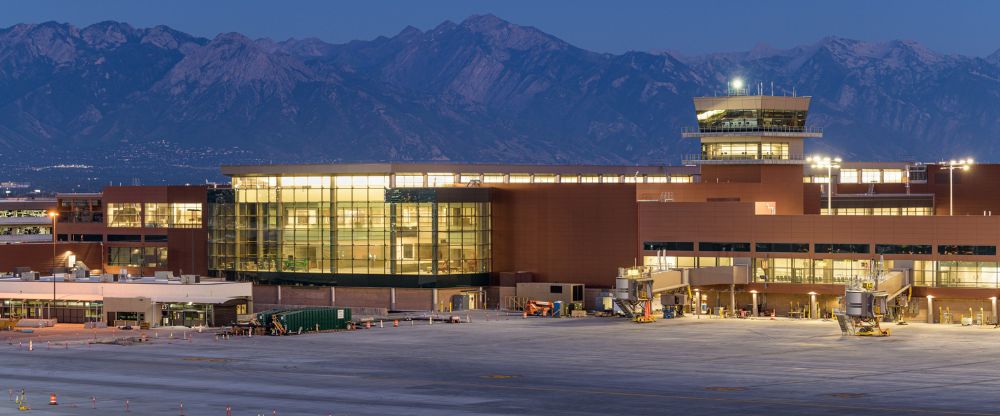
[750, 204]
[750, 200]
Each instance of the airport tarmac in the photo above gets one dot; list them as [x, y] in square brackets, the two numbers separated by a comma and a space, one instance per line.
[588, 366]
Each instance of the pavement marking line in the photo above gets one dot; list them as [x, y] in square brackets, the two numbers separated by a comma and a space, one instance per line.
[734, 400]
[206, 359]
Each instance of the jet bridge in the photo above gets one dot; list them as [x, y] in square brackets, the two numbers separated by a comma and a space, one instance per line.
[637, 287]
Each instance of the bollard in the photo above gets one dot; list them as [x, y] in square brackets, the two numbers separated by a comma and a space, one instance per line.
[31, 346]
[468, 317]
[52, 400]
[229, 410]
[126, 405]
[430, 320]
[182, 408]
[380, 324]
[93, 402]
[48, 345]
[10, 394]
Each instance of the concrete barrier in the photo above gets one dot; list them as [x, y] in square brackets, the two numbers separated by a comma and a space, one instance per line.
[35, 323]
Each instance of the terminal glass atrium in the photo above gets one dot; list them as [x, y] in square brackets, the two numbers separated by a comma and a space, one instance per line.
[343, 225]
[751, 120]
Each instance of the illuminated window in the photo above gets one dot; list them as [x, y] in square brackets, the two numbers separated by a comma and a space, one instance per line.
[569, 179]
[409, 181]
[493, 178]
[361, 181]
[611, 179]
[306, 181]
[305, 217]
[157, 215]
[848, 176]
[657, 179]
[590, 179]
[633, 179]
[680, 179]
[774, 150]
[125, 214]
[871, 176]
[440, 179]
[186, 215]
[892, 176]
[468, 177]
[916, 211]
[520, 178]
[545, 178]
[152, 257]
[254, 181]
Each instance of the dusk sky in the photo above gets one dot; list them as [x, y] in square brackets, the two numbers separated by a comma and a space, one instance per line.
[966, 27]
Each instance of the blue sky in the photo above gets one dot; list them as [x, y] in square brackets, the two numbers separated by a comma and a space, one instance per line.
[966, 27]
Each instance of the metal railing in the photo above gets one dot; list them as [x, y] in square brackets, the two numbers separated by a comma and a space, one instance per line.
[762, 159]
[754, 129]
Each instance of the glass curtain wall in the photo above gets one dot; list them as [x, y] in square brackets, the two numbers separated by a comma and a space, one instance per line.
[126, 215]
[979, 274]
[362, 225]
[342, 224]
[221, 229]
[785, 270]
[303, 231]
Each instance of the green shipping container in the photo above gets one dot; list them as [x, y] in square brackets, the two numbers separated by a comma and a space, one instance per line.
[312, 318]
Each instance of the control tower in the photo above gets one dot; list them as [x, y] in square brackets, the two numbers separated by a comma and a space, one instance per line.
[741, 129]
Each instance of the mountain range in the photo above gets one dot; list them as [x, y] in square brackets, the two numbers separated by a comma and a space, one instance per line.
[114, 102]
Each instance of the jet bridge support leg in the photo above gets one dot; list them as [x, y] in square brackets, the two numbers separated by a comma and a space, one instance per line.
[732, 300]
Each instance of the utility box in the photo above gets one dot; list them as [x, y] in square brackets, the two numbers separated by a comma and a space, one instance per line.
[566, 292]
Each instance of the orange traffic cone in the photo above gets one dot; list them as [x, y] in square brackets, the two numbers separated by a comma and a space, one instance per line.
[395, 323]
[52, 400]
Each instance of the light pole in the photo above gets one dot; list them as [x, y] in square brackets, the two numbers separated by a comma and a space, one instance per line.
[953, 164]
[830, 165]
[52, 216]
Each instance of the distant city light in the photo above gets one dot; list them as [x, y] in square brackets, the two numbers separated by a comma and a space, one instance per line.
[737, 83]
